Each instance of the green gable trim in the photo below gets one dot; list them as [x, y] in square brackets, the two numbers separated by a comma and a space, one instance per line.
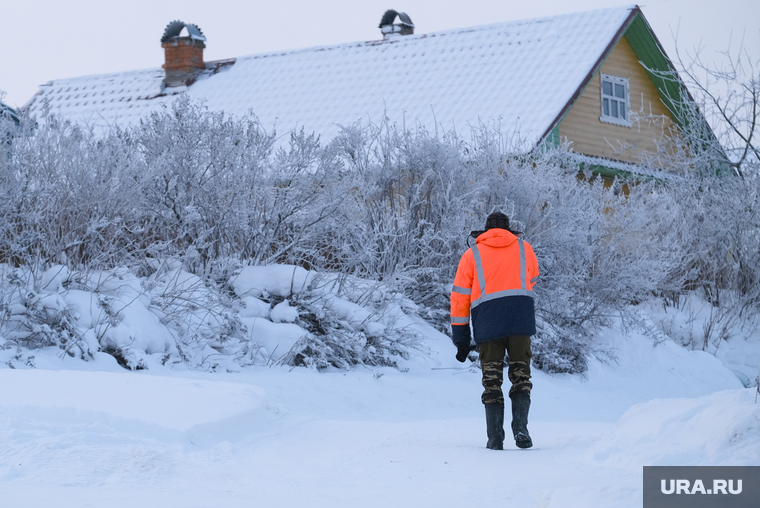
[663, 75]
[650, 53]
[605, 171]
[553, 138]
[609, 173]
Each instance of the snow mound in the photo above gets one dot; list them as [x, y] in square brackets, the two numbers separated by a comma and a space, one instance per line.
[277, 314]
[272, 337]
[721, 429]
[279, 280]
[253, 307]
[54, 277]
[284, 313]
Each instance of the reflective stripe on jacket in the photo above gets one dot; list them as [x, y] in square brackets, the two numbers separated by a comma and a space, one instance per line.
[494, 283]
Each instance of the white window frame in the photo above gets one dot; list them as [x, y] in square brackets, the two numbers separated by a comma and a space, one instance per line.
[608, 118]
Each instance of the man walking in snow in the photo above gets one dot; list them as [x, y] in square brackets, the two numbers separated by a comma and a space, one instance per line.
[493, 287]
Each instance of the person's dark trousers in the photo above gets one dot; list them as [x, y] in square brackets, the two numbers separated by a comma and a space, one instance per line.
[492, 354]
[517, 348]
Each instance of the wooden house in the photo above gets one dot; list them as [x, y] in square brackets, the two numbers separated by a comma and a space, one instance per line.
[585, 78]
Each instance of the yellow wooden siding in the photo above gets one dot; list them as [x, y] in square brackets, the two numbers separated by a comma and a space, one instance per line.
[590, 136]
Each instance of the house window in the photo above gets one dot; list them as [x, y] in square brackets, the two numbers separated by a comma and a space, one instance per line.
[615, 100]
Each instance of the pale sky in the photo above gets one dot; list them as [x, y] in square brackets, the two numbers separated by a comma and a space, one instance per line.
[44, 40]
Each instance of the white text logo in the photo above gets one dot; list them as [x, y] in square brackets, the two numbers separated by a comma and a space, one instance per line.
[685, 487]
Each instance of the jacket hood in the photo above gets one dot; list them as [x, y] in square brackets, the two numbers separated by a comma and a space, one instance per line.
[497, 237]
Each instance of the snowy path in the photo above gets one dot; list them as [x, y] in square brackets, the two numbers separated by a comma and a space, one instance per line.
[270, 437]
[278, 457]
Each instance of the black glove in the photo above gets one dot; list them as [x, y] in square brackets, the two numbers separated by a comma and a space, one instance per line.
[463, 350]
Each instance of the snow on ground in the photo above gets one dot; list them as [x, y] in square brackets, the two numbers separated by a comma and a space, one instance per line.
[78, 434]
[690, 324]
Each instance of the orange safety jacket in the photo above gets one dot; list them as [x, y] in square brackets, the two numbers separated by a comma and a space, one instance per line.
[494, 284]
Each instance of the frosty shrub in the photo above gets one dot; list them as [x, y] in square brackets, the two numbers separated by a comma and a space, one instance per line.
[352, 321]
[335, 342]
[713, 174]
[599, 250]
[185, 182]
[218, 187]
[34, 318]
[199, 313]
[69, 198]
[377, 204]
[415, 198]
[718, 221]
[406, 212]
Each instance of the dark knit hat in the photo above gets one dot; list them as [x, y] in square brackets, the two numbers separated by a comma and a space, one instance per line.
[497, 220]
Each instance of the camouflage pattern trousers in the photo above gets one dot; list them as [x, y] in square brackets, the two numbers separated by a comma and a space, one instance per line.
[517, 349]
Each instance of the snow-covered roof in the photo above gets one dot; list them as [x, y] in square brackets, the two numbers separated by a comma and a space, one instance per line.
[518, 74]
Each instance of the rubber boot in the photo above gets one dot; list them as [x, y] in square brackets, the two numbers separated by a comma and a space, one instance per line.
[495, 426]
[520, 408]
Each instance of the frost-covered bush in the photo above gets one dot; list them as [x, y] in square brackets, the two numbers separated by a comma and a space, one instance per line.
[415, 198]
[718, 221]
[406, 212]
[69, 198]
[185, 183]
[353, 322]
[220, 195]
[712, 166]
[599, 249]
[218, 187]
[35, 318]
[280, 314]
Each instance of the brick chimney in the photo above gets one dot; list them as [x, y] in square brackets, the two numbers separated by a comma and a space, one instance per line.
[391, 30]
[183, 54]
